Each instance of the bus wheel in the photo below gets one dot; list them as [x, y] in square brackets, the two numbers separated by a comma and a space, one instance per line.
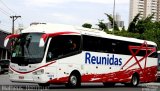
[134, 81]
[43, 84]
[108, 84]
[74, 81]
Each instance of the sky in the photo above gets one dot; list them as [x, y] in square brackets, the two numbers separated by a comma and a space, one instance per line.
[72, 12]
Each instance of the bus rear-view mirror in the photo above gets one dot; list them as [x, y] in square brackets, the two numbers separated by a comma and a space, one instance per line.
[6, 40]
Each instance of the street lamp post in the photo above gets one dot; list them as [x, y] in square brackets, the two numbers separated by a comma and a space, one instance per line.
[113, 15]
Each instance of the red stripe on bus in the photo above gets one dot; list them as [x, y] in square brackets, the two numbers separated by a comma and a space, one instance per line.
[32, 70]
[120, 76]
[45, 36]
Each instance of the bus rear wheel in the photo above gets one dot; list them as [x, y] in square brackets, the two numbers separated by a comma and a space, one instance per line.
[134, 81]
[74, 81]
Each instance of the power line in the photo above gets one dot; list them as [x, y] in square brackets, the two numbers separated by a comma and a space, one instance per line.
[8, 14]
[5, 25]
[7, 7]
[4, 12]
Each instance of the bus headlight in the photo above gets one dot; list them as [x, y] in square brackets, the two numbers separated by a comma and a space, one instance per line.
[38, 72]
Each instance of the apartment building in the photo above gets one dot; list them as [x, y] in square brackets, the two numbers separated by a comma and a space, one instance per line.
[145, 8]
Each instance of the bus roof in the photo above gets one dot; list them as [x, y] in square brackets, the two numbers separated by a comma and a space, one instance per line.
[54, 28]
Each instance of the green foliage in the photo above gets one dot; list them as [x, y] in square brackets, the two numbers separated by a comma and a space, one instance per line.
[132, 25]
[87, 25]
[141, 25]
[143, 28]
[110, 18]
[125, 34]
[145, 24]
[150, 35]
[102, 25]
[123, 28]
[153, 35]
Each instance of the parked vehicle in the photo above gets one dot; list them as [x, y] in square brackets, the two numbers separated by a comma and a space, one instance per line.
[4, 65]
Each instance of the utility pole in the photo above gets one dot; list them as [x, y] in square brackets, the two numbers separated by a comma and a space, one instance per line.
[13, 19]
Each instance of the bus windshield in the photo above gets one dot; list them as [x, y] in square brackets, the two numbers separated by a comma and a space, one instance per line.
[26, 50]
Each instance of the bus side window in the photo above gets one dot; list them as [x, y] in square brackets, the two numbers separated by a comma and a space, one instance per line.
[63, 46]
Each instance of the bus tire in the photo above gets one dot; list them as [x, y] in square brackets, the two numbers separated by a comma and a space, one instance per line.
[134, 81]
[74, 81]
[109, 84]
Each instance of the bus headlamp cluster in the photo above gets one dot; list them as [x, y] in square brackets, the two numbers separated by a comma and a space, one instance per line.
[38, 72]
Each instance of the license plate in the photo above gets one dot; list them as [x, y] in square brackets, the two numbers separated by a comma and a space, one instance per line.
[21, 77]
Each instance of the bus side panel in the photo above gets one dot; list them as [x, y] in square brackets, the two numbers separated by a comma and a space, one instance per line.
[66, 66]
[93, 69]
[97, 70]
[148, 74]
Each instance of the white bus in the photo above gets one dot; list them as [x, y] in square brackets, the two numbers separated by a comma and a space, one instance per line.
[63, 54]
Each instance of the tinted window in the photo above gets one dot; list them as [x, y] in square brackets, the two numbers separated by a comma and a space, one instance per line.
[63, 46]
[105, 45]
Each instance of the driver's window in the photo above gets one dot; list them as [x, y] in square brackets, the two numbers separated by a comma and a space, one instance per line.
[62, 46]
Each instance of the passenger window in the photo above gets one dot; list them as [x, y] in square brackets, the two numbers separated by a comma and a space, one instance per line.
[63, 46]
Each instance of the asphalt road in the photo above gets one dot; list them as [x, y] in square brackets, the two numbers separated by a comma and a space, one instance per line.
[6, 85]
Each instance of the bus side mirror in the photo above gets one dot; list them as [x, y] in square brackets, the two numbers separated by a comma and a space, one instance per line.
[41, 43]
[10, 37]
[43, 40]
[6, 42]
[45, 36]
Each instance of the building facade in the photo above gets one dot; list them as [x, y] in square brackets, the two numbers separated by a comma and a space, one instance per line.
[4, 51]
[145, 8]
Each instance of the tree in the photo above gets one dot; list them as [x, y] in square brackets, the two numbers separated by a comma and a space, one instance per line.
[140, 28]
[132, 25]
[123, 28]
[102, 25]
[87, 25]
[145, 24]
[141, 25]
[110, 18]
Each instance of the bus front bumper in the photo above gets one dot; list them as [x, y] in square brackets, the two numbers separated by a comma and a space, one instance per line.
[27, 78]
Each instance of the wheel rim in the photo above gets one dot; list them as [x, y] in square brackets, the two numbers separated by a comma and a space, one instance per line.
[134, 80]
[73, 80]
